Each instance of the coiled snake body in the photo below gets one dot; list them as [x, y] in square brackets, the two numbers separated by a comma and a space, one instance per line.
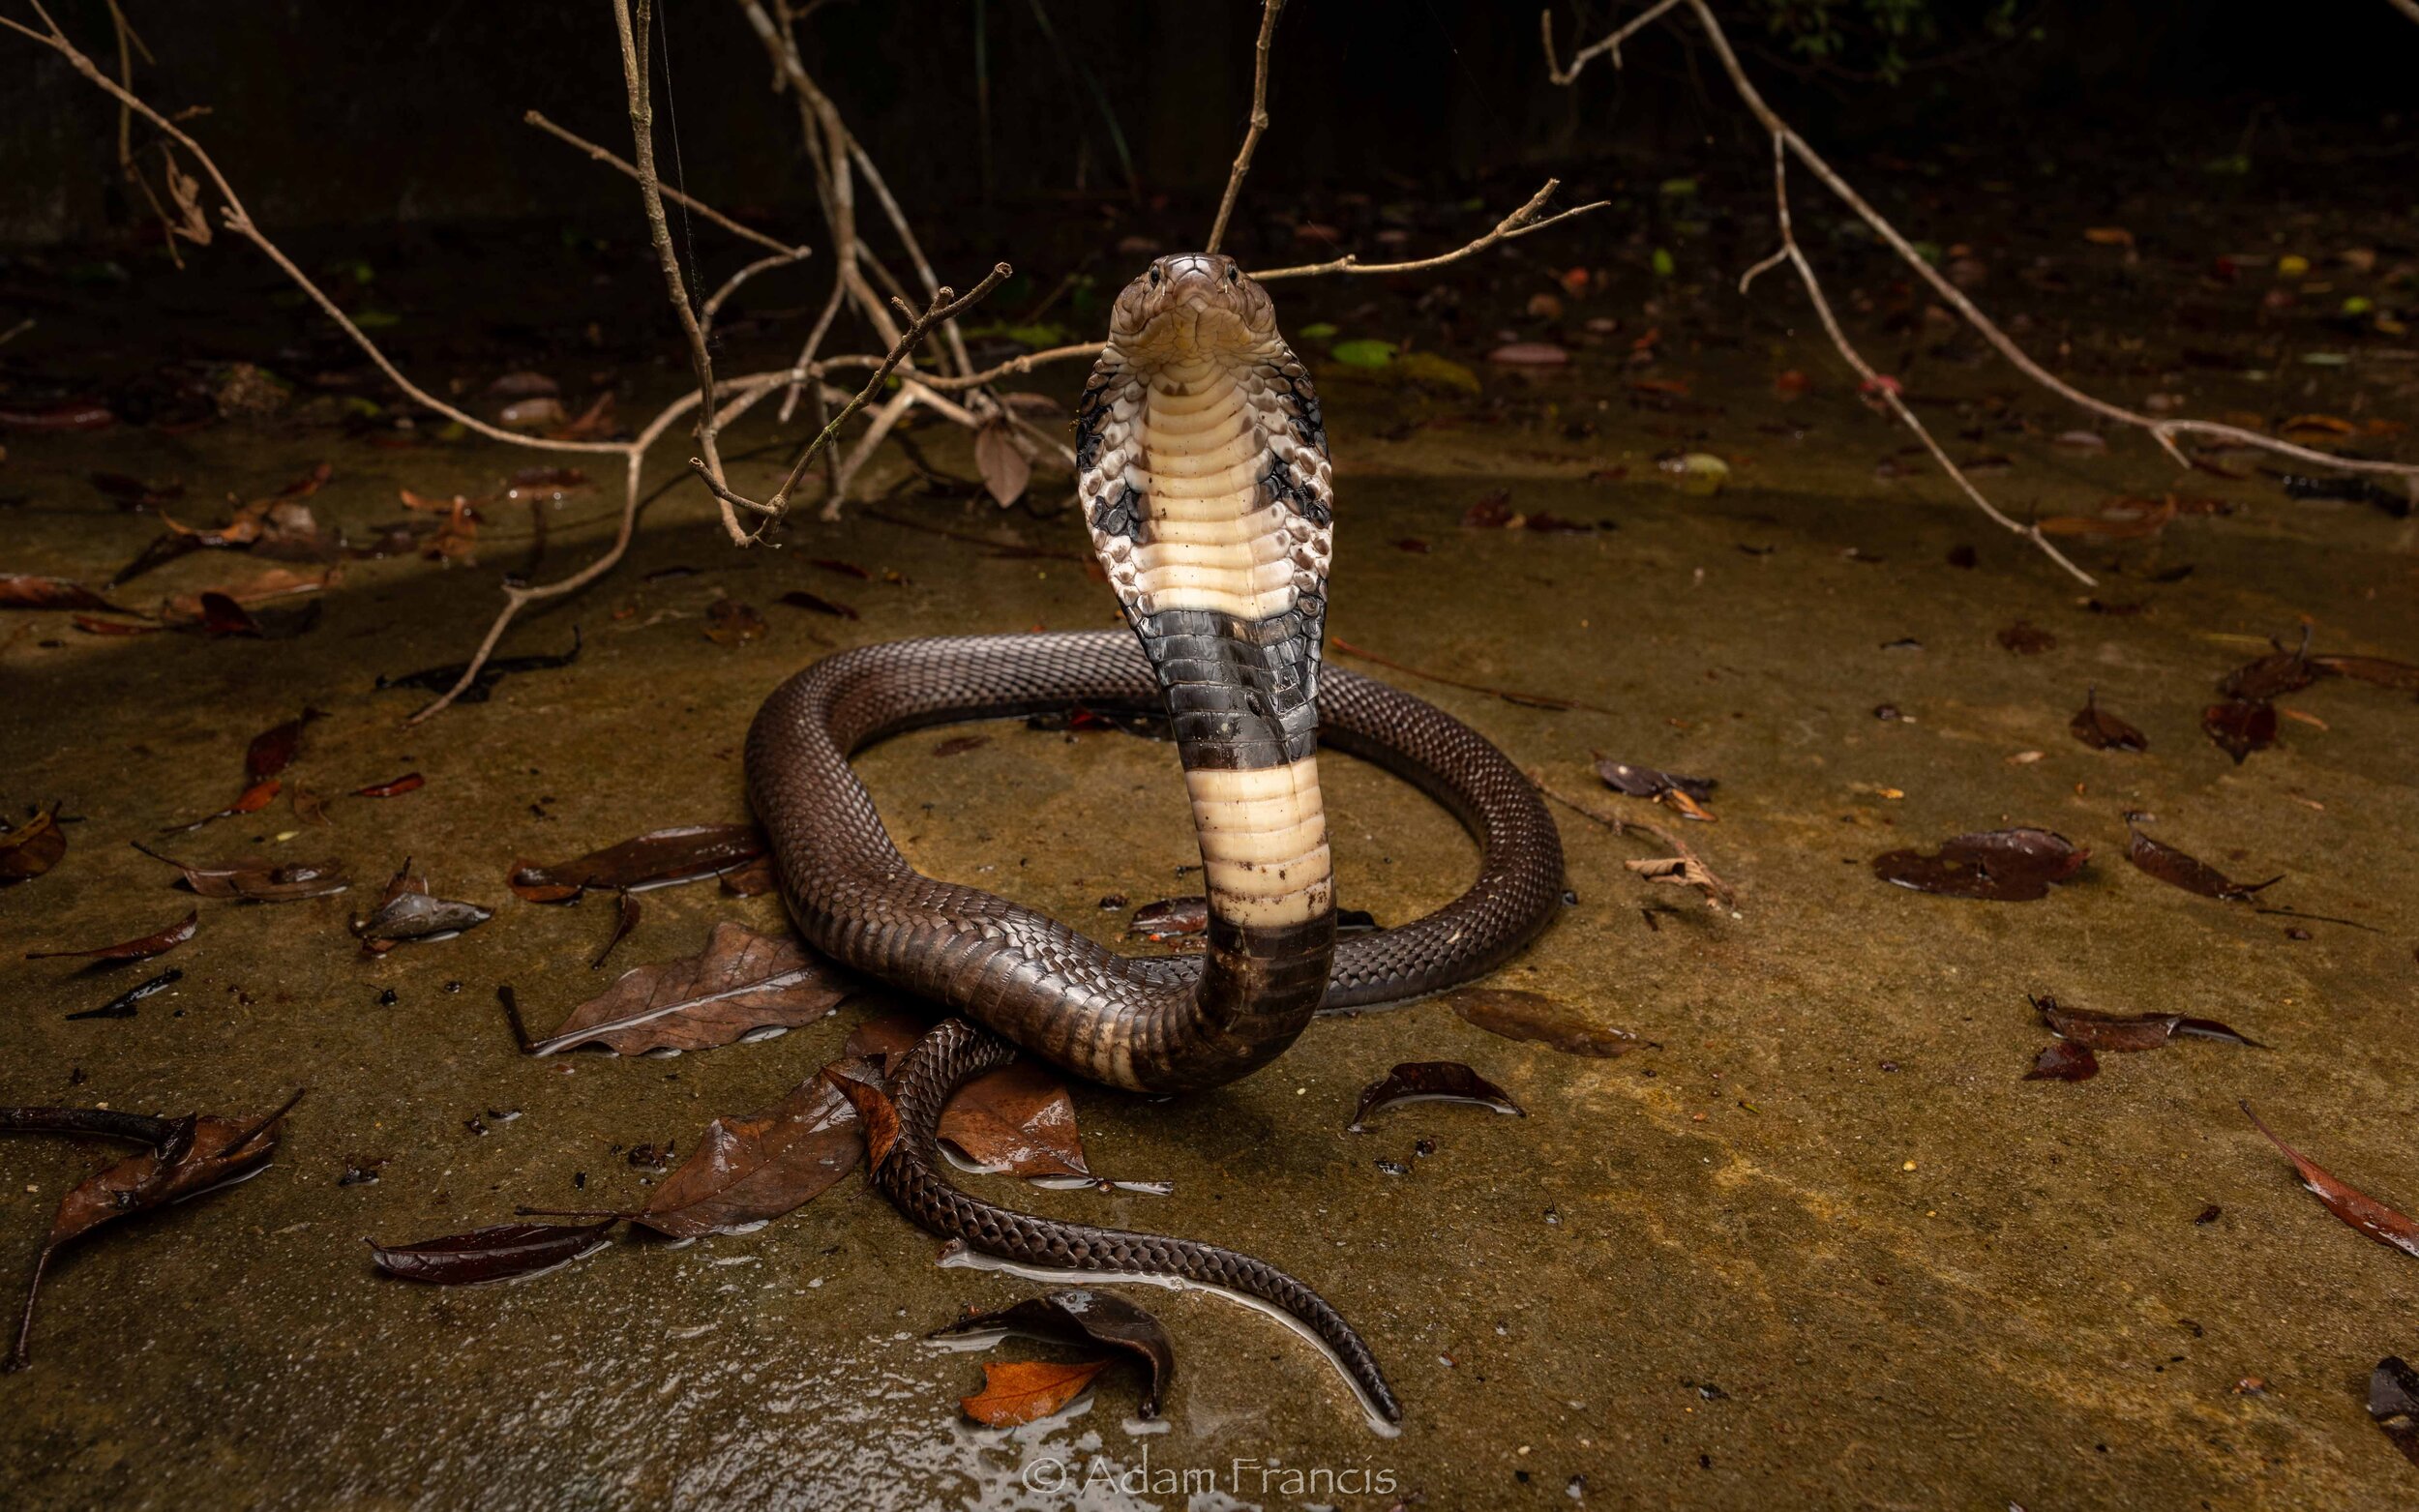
[1203, 476]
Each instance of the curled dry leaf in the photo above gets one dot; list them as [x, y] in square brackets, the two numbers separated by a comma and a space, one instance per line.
[506, 1251]
[625, 919]
[2355, 1207]
[252, 800]
[407, 912]
[1519, 1014]
[1432, 1081]
[2132, 1031]
[198, 1153]
[749, 1170]
[2240, 726]
[742, 982]
[31, 849]
[1018, 1391]
[2102, 730]
[2064, 1060]
[155, 943]
[2394, 1404]
[2173, 866]
[1080, 1317]
[658, 858]
[2001, 865]
[260, 881]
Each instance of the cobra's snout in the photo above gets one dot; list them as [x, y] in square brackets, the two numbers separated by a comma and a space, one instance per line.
[1188, 306]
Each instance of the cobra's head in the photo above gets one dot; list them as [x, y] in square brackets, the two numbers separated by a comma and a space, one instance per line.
[1190, 306]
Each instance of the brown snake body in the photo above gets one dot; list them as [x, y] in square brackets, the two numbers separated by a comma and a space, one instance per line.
[1205, 480]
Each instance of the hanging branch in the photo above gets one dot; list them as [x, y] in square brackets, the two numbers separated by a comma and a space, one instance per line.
[2162, 431]
[1520, 223]
[1878, 387]
[1270, 10]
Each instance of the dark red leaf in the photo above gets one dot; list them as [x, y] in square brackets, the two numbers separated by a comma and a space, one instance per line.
[1519, 1014]
[832, 564]
[2401, 677]
[2064, 1060]
[159, 942]
[2173, 866]
[731, 623]
[273, 748]
[2102, 730]
[2132, 1031]
[741, 983]
[1433, 1081]
[625, 919]
[2240, 726]
[507, 1252]
[749, 1170]
[2279, 671]
[2355, 1207]
[861, 1082]
[658, 858]
[2001, 865]
[409, 782]
[1016, 1119]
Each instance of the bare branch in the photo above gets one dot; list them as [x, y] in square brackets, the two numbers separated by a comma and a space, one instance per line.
[697, 207]
[1270, 10]
[1683, 867]
[1878, 386]
[2162, 431]
[1520, 223]
[944, 304]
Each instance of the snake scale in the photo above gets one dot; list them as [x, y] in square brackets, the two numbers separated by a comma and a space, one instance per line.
[1204, 474]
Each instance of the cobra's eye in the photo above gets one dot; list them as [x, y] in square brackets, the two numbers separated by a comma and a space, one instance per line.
[1154, 277]
[1235, 275]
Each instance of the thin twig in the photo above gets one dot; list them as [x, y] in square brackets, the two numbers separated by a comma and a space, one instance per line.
[698, 207]
[1520, 223]
[2162, 431]
[1875, 384]
[1270, 10]
[1716, 890]
[944, 304]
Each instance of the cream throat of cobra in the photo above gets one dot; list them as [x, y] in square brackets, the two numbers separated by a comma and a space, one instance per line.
[1208, 506]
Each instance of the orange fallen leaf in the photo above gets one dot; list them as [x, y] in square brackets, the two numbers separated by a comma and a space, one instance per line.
[2108, 236]
[1018, 1391]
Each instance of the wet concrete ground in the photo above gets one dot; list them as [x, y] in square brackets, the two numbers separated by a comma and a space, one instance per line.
[1815, 1243]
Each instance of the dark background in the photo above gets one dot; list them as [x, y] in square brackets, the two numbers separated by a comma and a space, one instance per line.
[355, 115]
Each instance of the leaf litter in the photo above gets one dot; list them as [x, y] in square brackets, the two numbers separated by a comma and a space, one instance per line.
[743, 983]
[1079, 1317]
[2177, 869]
[2003, 866]
[2355, 1207]
[1431, 1082]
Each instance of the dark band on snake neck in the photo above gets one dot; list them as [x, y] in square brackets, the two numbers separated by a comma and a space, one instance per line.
[1205, 484]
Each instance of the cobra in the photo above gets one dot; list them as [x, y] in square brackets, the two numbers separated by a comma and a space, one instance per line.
[1204, 475]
